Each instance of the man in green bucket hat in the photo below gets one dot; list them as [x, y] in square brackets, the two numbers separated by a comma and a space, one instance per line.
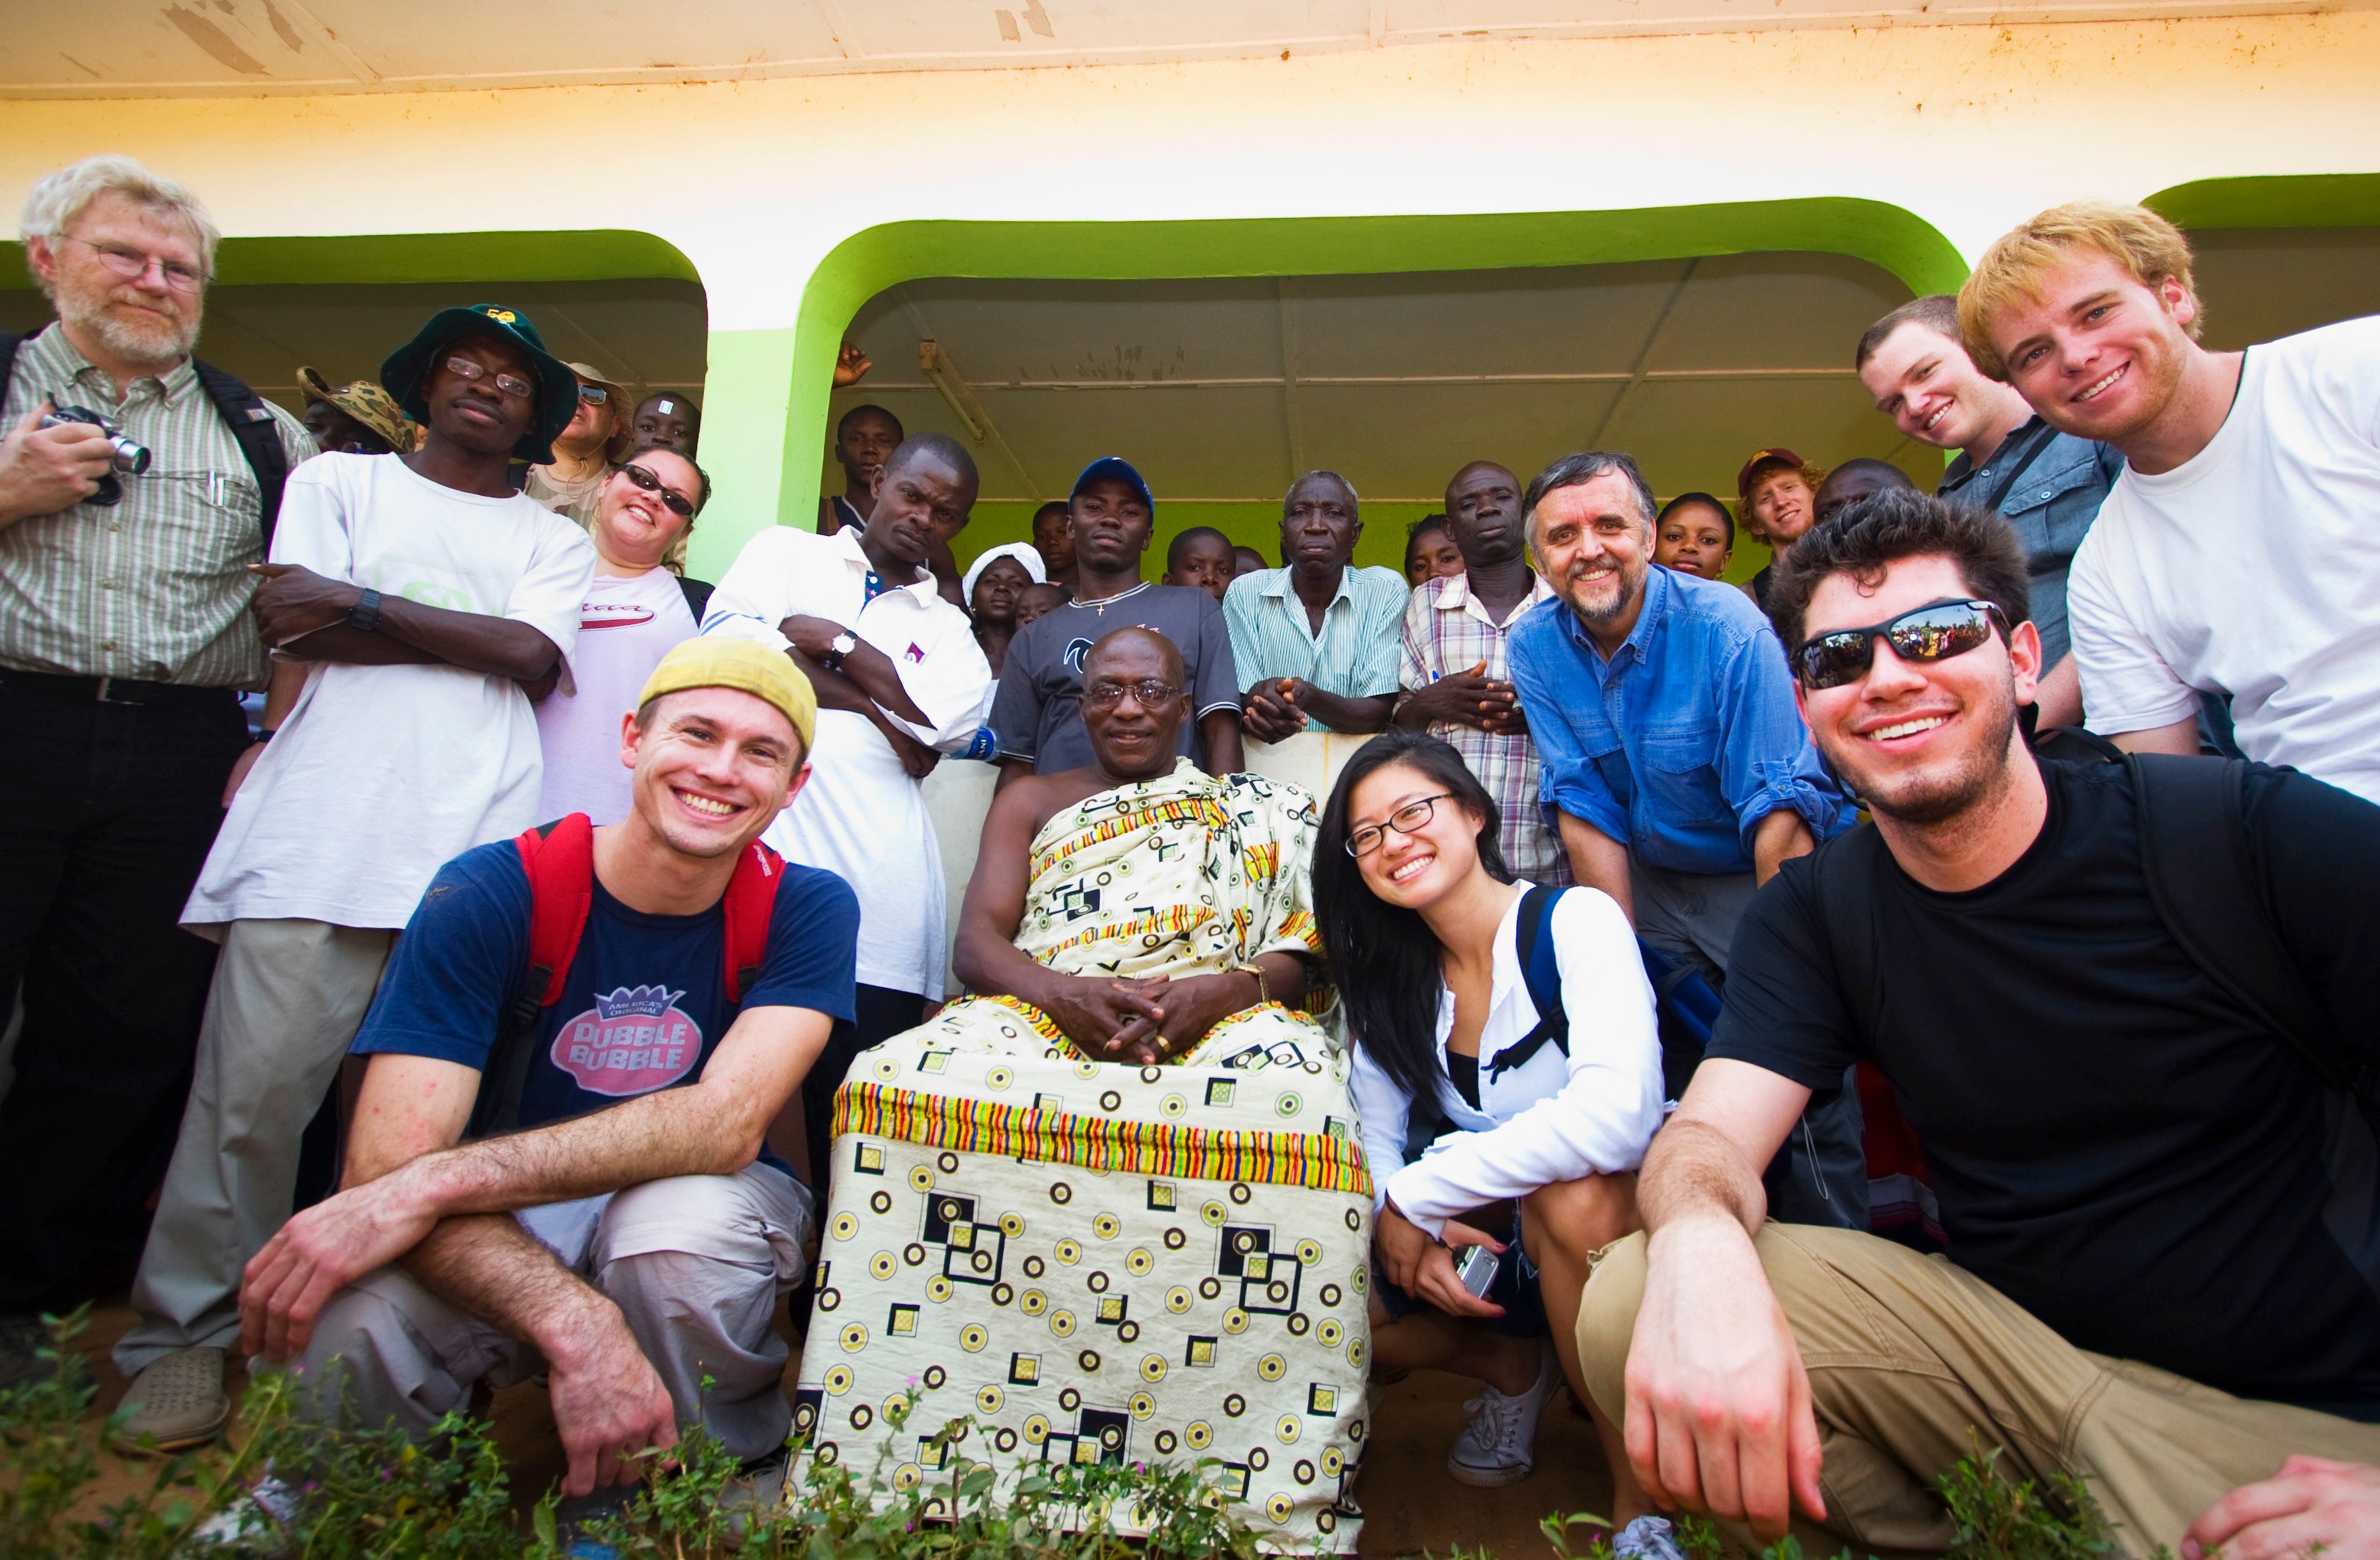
[409, 599]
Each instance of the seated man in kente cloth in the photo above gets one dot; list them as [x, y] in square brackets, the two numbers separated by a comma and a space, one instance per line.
[1112, 1206]
[1140, 910]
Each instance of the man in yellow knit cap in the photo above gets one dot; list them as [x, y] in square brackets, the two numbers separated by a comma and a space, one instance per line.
[558, 1162]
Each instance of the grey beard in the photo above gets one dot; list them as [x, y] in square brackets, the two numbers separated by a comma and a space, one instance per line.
[159, 348]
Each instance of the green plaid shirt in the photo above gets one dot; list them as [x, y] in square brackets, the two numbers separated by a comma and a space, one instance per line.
[156, 588]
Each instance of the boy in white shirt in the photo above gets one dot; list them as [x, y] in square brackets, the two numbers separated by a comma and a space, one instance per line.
[900, 681]
[408, 599]
[2239, 552]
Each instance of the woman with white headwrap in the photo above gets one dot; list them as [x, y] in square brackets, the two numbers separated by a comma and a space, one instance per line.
[993, 582]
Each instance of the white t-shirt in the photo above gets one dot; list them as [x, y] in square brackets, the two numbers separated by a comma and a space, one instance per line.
[2253, 569]
[624, 628]
[382, 774]
[1553, 1118]
[861, 816]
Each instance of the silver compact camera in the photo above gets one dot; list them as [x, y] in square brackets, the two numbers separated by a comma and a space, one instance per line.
[129, 457]
[1476, 1269]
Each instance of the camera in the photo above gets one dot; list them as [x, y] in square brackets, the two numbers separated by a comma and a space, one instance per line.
[129, 457]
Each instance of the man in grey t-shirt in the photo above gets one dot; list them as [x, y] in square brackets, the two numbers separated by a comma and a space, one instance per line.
[1037, 716]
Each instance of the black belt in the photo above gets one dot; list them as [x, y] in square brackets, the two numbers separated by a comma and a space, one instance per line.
[115, 690]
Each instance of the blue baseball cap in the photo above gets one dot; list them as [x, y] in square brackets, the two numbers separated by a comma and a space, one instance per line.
[1114, 468]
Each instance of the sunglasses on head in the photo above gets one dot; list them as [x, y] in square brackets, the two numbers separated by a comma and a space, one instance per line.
[593, 395]
[1935, 632]
[679, 505]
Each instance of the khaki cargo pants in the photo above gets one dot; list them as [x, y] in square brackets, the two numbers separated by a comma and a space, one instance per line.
[1907, 1352]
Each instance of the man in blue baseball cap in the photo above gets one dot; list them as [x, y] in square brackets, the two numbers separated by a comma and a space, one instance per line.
[1037, 716]
[409, 599]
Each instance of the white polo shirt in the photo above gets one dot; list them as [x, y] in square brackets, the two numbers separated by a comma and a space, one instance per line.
[2253, 569]
[861, 816]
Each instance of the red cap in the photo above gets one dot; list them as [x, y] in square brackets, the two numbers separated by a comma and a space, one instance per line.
[1766, 457]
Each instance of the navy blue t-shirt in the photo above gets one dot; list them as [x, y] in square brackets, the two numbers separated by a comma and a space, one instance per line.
[646, 1000]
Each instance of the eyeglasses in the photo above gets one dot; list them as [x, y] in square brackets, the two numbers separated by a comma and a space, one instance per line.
[593, 395]
[1407, 819]
[513, 385]
[1149, 693]
[132, 264]
[679, 505]
[1935, 632]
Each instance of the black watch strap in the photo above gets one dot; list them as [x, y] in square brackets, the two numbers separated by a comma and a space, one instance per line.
[365, 614]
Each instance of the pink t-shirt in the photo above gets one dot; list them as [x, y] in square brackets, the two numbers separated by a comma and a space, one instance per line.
[624, 628]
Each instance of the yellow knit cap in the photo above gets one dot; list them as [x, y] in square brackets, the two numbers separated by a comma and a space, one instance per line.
[743, 665]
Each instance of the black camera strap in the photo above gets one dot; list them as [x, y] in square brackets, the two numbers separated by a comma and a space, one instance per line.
[243, 411]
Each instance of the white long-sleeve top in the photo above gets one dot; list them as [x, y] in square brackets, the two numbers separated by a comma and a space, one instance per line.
[1552, 1118]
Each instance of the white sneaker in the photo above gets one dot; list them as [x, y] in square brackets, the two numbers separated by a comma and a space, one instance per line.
[260, 1522]
[1498, 1448]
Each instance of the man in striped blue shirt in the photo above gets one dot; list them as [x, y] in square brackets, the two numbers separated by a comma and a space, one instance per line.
[1317, 643]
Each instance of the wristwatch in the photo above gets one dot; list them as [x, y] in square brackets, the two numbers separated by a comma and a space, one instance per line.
[839, 647]
[365, 614]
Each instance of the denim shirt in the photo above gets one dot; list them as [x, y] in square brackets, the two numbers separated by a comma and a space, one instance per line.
[1684, 740]
[2051, 506]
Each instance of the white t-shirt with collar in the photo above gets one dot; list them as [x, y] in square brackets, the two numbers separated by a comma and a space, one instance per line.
[380, 775]
[2253, 569]
[861, 816]
[1552, 1118]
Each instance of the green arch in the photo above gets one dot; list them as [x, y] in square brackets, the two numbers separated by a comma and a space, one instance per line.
[592, 255]
[869, 261]
[2273, 200]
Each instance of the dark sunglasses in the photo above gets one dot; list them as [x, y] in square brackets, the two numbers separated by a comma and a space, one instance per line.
[679, 505]
[593, 395]
[1935, 632]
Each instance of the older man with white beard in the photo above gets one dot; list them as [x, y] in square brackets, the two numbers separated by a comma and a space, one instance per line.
[125, 639]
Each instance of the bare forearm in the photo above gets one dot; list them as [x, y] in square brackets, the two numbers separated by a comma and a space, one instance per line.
[1220, 732]
[1411, 714]
[873, 672]
[2181, 737]
[280, 694]
[1778, 838]
[2058, 701]
[353, 646]
[490, 1267]
[474, 641]
[992, 965]
[1355, 717]
[1598, 861]
[1693, 1170]
[688, 1131]
[834, 690]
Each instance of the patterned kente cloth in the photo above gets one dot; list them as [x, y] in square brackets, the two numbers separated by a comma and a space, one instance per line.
[1105, 1263]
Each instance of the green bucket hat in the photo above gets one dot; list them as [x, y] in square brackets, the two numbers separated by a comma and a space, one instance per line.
[408, 369]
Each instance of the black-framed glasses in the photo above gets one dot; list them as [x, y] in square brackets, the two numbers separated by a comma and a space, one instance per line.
[594, 395]
[1413, 816]
[1935, 632]
[1150, 692]
[513, 385]
[132, 264]
[679, 505]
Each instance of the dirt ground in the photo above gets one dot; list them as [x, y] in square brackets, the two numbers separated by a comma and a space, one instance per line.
[1410, 1505]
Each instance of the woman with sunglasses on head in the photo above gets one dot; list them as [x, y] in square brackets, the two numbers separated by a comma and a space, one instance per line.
[634, 612]
[1426, 936]
[572, 482]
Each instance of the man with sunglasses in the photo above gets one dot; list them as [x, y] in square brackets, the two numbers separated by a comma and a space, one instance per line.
[2161, 1277]
[572, 483]
[123, 650]
[408, 601]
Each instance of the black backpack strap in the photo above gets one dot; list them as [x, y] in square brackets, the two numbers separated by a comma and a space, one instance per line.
[9, 342]
[2019, 461]
[252, 425]
[1843, 879]
[1543, 974]
[2199, 860]
[697, 597]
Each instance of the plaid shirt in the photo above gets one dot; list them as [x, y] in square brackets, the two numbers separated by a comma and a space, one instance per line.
[157, 586]
[1448, 631]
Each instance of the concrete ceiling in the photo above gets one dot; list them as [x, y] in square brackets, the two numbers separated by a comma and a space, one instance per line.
[1223, 391]
[112, 48]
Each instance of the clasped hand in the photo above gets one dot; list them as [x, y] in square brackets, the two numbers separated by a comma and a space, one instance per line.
[1467, 698]
[1274, 711]
[293, 601]
[1143, 1021]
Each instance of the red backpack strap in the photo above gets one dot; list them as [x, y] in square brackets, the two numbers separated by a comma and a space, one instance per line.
[559, 859]
[751, 900]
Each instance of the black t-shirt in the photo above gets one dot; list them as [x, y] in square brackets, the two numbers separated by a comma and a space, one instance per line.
[2116, 1144]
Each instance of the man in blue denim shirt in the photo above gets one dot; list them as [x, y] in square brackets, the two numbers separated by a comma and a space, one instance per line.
[1674, 761]
[2048, 484]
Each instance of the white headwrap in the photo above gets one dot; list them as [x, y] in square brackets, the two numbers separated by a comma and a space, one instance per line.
[1023, 552]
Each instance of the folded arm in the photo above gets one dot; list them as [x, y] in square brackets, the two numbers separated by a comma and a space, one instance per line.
[304, 615]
